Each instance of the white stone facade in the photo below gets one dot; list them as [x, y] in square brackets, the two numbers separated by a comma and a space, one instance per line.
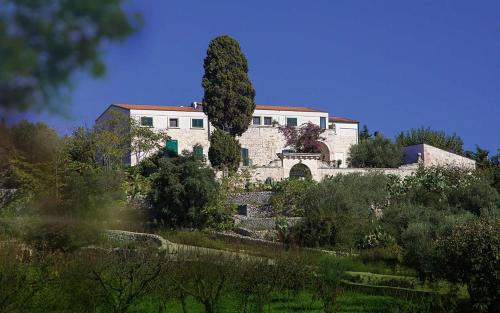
[262, 140]
[432, 156]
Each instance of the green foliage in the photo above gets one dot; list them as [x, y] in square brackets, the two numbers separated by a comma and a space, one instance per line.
[339, 209]
[229, 95]
[375, 239]
[61, 235]
[378, 152]
[145, 140]
[444, 188]
[219, 211]
[438, 139]
[225, 151]
[181, 191]
[364, 134]
[327, 283]
[39, 56]
[470, 255]
[289, 194]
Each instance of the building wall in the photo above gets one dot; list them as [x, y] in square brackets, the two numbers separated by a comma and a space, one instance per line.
[187, 136]
[262, 141]
[344, 136]
[433, 156]
[319, 173]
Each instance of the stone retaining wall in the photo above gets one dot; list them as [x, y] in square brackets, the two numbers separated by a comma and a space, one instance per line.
[125, 237]
[264, 223]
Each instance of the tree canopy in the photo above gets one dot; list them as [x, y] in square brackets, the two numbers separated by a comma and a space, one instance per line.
[229, 95]
[378, 152]
[439, 139]
[224, 152]
[42, 43]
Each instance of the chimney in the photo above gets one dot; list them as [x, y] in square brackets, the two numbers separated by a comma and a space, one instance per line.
[195, 105]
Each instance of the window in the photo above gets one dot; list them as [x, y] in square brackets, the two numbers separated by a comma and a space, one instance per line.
[244, 157]
[285, 151]
[197, 123]
[322, 122]
[198, 151]
[292, 121]
[173, 123]
[268, 121]
[172, 147]
[256, 120]
[146, 121]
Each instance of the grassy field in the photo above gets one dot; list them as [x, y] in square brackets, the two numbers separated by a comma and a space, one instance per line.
[348, 302]
[208, 240]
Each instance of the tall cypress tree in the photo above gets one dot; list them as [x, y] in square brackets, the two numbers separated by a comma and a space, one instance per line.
[229, 99]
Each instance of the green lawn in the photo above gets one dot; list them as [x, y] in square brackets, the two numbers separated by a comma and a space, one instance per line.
[348, 302]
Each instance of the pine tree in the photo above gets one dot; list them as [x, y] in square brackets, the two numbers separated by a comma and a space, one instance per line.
[229, 95]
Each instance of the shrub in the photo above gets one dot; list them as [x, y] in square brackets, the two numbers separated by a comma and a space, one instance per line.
[379, 152]
[289, 195]
[304, 138]
[470, 255]
[338, 210]
[327, 283]
[61, 235]
[375, 239]
[180, 191]
[225, 151]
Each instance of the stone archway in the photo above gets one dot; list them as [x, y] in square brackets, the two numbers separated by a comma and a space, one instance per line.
[323, 150]
[300, 171]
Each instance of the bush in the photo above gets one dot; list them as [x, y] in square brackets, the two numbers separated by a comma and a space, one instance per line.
[62, 235]
[470, 255]
[289, 195]
[338, 210]
[225, 151]
[180, 191]
[379, 152]
[445, 188]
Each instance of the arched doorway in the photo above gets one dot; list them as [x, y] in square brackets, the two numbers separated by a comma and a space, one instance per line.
[324, 150]
[300, 171]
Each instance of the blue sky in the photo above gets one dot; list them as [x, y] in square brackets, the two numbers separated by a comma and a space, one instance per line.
[391, 65]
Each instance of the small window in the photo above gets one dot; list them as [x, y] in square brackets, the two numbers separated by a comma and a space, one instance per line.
[291, 121]
[322, 122]
[256, 120]
[197, 123]
[173, 123]
[268, 121]
[146, 121]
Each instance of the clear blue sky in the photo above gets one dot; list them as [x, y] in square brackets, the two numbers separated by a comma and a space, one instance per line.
[391, 65]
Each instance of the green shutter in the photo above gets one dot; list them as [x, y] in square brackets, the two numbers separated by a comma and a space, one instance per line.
[198, 151]
[172, 147]
[197, 123]
[244, 157]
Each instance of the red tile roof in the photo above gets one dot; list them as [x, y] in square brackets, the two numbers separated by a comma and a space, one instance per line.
[156, 107]
[286, 108]
[191, 109]
[339, 119]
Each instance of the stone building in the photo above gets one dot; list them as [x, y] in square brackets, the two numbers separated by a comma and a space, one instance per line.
[262, 145]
